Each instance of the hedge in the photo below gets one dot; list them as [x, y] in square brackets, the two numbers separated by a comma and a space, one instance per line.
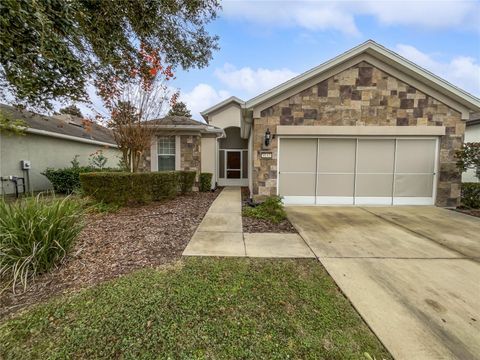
[186, 180]
[205, 182]
[123, 187]
[471, 195]
[66, 180]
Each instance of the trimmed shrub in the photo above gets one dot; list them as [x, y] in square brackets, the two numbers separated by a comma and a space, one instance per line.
[123, 187]
[66, 180]
[164, 185]
[35, 234]
[205, 182]
[271, 210]
[186, 179]
[471, 195]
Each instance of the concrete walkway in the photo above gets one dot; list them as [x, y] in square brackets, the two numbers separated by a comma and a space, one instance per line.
[220, 234]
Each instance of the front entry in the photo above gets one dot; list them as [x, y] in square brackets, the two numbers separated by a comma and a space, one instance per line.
[234, 164]
[233, 159]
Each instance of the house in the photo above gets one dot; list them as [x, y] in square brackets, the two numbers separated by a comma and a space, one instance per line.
[367, 127]
[472, 134]
[182, 143]
[49, 142]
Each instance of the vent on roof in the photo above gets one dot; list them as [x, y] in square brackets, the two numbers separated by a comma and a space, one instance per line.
[75, 124]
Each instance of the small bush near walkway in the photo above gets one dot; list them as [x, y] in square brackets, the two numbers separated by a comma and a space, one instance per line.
[271, 209]
[123, 188]
[471, 195]
[205, 182]
[35, 235]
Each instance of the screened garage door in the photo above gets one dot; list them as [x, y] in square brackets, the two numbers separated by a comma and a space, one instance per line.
[361, 171]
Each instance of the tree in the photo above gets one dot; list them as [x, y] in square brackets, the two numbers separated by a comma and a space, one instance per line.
[51, 50]
[468, 157]
[71, 110]
[179, 109]
[133, 102]
[11, 126]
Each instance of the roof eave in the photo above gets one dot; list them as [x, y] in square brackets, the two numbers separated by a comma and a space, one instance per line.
[380, 52]
[231, 99]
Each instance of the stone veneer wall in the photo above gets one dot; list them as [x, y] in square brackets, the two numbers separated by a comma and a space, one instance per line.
[190, 157]
[360, 96]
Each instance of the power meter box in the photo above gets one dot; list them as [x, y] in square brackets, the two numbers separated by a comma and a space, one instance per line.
[25, 164]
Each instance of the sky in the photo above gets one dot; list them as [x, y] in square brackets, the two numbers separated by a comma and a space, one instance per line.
[264, 43]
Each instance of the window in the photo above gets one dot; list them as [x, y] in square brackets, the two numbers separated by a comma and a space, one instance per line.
[166, 153]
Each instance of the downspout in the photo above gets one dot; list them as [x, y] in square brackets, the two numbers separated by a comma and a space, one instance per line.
[247, 131]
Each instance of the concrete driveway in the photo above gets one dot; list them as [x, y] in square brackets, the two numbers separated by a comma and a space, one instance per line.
[413, 273]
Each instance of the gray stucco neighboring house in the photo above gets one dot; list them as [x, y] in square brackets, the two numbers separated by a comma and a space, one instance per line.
[472, 134]
[50, 142]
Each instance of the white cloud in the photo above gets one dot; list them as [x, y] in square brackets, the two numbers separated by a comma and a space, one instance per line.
[201, 97]
[461, 71]
[341, 15]
[252, 81]
[427, 14]
[310, 15]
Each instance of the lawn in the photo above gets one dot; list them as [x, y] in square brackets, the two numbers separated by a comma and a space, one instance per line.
[199, 308]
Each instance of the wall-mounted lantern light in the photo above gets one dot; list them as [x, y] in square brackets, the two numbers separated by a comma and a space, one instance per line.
[268, 137]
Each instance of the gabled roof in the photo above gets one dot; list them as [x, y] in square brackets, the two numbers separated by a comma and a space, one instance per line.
[184, 123]
[175, 120]
[68, 126]
[385, 55]
[231, 99]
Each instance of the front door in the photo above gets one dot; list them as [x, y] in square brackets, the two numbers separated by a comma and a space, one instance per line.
[234, 164]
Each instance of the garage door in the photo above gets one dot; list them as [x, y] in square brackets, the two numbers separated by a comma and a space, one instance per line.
[359, 171]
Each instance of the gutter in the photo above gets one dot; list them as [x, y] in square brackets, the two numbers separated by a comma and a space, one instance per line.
[69, 137]
[201, 128]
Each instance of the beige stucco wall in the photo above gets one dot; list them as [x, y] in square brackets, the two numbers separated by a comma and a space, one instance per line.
[208, 157]
[472, 134]
[227, 116]
[43, 152]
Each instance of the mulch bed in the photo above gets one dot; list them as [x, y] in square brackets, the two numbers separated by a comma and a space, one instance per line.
[472, 212]
[115, 244]
[253, 225]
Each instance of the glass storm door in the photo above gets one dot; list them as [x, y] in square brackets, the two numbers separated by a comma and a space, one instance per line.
[234, 164]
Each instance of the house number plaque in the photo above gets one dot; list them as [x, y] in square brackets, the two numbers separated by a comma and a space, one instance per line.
[266, 155]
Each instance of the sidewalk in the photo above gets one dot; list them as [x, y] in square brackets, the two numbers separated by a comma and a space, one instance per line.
[220, 234]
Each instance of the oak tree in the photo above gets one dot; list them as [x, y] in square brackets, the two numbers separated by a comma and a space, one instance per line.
[52, 50]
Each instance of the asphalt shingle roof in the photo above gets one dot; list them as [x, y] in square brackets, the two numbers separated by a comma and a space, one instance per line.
[62, 124]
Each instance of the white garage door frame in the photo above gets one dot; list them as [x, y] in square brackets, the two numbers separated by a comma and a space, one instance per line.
[356, 200]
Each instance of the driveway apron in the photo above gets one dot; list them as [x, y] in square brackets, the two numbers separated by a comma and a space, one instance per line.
[413, 273]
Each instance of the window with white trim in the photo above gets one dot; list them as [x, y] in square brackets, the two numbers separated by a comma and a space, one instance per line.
[166, 153]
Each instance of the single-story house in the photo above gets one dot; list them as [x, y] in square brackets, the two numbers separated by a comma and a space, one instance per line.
[367, 127]
[183, 144]
[50, 142]
[472, 134]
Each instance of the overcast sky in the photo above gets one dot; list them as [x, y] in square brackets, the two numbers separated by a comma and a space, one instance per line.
[264, 43]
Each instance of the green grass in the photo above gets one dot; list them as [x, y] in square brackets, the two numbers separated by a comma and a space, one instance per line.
[199, 309]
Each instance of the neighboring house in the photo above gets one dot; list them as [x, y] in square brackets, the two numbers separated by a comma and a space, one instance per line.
[182, 143]
[472, 134]
[367, 127]
[50, 142]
